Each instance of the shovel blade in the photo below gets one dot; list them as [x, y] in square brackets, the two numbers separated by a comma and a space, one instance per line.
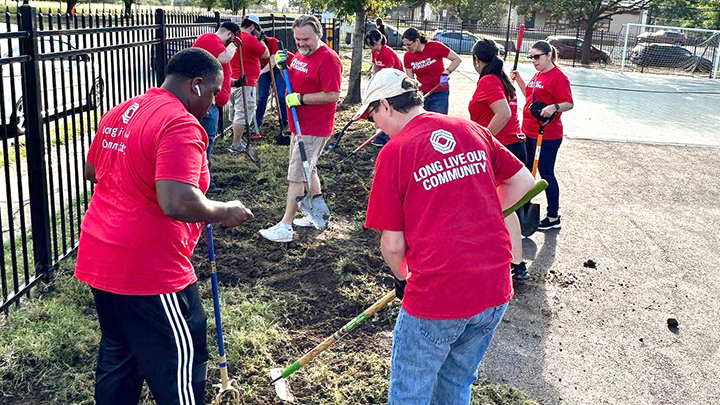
[529, 217]
[282, 389]
[282, 139]
[316, 210]
[252, 154]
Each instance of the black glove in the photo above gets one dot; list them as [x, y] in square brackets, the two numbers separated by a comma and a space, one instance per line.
[240, 82]
[260, 35]
[399, 287]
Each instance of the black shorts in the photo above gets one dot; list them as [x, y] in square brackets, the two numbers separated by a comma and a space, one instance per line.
[161, 339]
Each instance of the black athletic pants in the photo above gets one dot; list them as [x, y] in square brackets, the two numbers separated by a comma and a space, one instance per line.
[160, 339]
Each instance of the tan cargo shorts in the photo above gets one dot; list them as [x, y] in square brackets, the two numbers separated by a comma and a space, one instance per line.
[237, 103]
[313, 147]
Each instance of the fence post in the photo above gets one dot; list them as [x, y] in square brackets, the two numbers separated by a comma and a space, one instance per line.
[217, 20]
[602, 39]
[624, 52]
[285, 28]
[577, 37]
[272, 25]
[34, 144]
[161, 48]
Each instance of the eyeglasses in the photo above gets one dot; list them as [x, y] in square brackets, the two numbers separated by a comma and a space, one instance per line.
[408, 45]
[537, 56]
[370, 112]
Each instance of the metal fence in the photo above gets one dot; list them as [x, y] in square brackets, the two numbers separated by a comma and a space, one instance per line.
[460, 35]
[60, 73]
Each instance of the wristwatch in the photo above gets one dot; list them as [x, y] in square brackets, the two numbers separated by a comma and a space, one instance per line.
[557, 107]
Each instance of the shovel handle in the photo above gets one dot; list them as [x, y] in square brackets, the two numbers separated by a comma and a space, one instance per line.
[521, 33]
[348, 327]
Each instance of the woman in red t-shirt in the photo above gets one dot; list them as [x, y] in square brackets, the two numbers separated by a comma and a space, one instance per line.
[424, 62]
[494, 106]
[552, 87]
[382, 55]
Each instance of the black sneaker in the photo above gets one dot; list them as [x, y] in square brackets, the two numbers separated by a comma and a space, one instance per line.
[546, 224]
[519, 271]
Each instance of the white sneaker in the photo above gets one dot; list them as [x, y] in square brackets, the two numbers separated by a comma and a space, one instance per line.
[303, 222]
[278, 233]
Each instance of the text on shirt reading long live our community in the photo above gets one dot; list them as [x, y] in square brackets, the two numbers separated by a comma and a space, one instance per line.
[115, 132]
[451, 168]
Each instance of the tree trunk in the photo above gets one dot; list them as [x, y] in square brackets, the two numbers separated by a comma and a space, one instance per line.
[128, 6]
[587, 42]
[70, 5]
[353, 94]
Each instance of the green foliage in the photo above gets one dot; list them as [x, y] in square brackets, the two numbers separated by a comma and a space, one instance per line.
[686, 13]
[484, 11]
[209, 4]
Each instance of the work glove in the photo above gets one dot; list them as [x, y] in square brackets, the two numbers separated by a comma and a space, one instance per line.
[444, 79]
[281, 59]
[260, 35]
[399, 287]
[293, 99]
[240, 82]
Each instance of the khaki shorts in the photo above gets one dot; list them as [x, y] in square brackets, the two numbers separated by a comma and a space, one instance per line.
[313, 147]
[237, 102]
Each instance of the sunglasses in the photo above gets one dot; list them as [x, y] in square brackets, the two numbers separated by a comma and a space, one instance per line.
[370, 111]
[537, 56]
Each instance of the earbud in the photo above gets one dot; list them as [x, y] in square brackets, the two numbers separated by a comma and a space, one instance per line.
[197, 87]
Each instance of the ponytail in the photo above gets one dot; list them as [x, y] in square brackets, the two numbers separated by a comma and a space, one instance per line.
[412, 34]
[545, 47]
[486, 50]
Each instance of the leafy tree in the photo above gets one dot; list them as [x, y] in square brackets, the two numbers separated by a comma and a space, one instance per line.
[685, 13]
[208, 4]
[588, 13]
[484, 11]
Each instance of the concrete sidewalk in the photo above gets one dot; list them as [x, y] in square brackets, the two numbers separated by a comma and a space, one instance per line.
[648, 216]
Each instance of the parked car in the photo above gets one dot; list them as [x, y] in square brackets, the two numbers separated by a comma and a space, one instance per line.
[394, 37]
[668, 55]
[63, 87]
[664, 36]
[571, 48]
[462, 42]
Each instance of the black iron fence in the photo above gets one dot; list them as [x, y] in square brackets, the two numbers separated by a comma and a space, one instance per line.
[461, 36]
[60, 73]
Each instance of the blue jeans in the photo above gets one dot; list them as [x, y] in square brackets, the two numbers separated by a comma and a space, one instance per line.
[438, 102]
[546, 167]
[210, 123]
[264, 83]
[436, 361]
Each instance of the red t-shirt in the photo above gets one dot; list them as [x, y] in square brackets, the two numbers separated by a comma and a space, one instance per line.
[436, 181]
[252, 50]
[386, 58]
[428, 65]
[551, 87]
[272, 44]
[213, 44]
[321, 71]
[127, 244]
[489, 90]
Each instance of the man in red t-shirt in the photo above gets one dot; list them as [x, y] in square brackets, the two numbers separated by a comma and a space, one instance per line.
[149, 167]
[315, 76]
[220, 45]
[252, 51]
[441, 184]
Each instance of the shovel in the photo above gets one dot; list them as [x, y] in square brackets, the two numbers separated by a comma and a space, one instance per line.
[280, 138]
[279, 375]
[314, 207]
[362, 145]
[529, 216]
[331, 146]
[249, 150]
[225, 386]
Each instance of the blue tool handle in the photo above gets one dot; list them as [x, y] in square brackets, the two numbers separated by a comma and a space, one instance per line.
[294, 111]
[216, 296]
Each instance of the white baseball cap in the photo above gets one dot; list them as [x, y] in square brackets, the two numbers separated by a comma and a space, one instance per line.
[386, 83]
[254, 18]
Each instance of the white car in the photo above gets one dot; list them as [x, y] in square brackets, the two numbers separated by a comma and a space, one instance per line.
[69, 86]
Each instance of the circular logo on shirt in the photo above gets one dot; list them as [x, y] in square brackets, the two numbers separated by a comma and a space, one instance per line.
[442, 141]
